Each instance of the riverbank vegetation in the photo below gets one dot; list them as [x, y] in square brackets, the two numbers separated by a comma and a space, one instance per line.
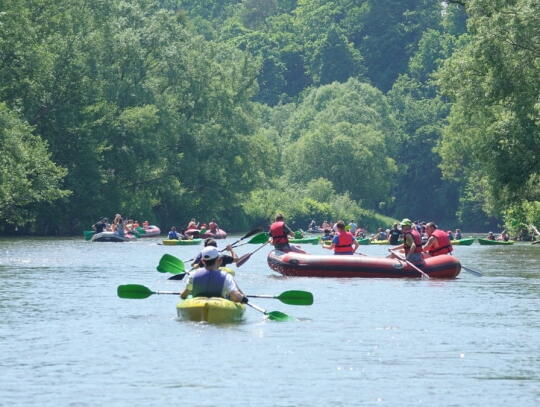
[233, 109]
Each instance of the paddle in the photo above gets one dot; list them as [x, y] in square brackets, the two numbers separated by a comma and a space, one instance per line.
[273, 315]
[476, 273]
[291, 297]
[260, 238]
[424, 275]
[139, 292]
[171, 264]
[88, 234]
[246, 256]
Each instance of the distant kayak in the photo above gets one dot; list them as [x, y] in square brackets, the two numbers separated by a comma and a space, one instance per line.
[112, 237]
[306, 240]
[181, 242]
[463, 242]
[487, 242]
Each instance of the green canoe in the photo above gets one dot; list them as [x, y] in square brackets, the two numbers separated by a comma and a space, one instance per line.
[306, 240]
[177, 242]
[364, 241]
[384, 242]
[487, 242]
[463, 242]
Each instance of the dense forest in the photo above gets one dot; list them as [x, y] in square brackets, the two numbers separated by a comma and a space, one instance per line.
[235, 109]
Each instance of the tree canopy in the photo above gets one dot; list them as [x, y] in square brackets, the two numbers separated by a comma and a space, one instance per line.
[171, 109]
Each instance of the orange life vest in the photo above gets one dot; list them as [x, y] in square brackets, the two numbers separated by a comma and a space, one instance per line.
[345, 241]
[417, 241]
[277, 231]
[444, 243]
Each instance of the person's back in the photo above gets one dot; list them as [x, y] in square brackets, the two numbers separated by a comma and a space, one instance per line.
[344, 242]
[279, 232]
[504, 236]
[100, 226]
[119, 227]
[328, 235]
[394, 236]
[381, 235]
[212, 282]
[208, 283]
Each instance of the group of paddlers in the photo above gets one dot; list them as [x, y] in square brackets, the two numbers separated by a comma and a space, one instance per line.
[344, 242]
[193, 230]
[119, 225]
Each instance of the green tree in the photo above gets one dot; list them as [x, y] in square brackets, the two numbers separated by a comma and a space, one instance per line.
[494, 83]
[28, 177]
[340, 132]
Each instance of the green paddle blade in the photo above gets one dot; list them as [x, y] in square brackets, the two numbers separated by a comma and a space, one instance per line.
[170, 264]
[134, 291]
[88, 234]
[278, 316]
[259, 238]
[295, 297]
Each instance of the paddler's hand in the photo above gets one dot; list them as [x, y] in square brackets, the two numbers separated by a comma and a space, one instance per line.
[244, 300]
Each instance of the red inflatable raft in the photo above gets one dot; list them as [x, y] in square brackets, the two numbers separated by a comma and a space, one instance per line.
[309, 265]
[218, 234]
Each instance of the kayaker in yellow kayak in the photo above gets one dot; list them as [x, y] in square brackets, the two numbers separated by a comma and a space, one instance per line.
[212, 282]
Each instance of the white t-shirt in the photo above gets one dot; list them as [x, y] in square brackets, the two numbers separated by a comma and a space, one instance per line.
[228, 285]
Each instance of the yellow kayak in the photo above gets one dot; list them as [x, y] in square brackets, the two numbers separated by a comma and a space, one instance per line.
[215, 310]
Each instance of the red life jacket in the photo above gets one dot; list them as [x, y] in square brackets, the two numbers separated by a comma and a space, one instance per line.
[444, 243]
[277, 231]
[344, 245]
[417, 241]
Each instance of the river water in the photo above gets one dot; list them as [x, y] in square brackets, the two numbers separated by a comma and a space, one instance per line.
[68, 340]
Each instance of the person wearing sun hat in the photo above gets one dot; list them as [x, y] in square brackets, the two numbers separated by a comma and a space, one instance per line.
[210, 281]
[412, 243]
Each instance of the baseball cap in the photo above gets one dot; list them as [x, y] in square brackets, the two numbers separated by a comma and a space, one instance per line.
[209, 253]
[406, 222]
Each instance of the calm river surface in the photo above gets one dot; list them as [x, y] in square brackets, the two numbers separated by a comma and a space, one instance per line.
[68, 340]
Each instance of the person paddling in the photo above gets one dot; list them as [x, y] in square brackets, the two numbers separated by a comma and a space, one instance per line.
[100, 226]
[394, 235]
[174, 235]
[279, 235]
[344, 242]
[212, 282]
[438, 241]
[225, 258]
[412, 244]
